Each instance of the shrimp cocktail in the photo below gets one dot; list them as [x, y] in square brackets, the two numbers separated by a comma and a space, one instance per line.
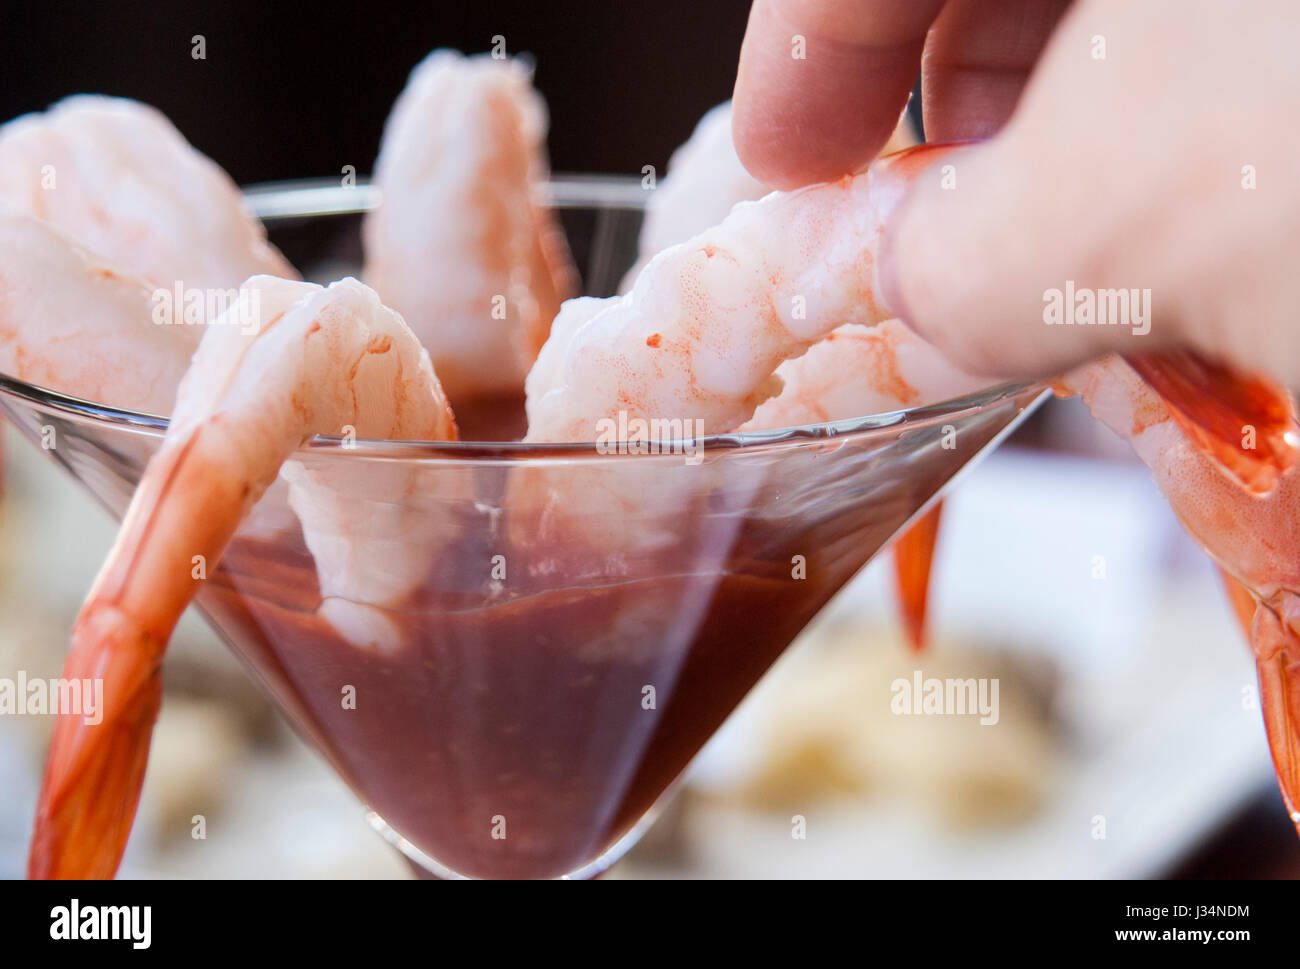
[505, 554]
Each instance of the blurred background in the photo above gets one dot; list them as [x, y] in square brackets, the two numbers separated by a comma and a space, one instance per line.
[1130, 741]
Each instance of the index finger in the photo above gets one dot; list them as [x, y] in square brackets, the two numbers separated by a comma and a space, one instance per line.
[822, 83]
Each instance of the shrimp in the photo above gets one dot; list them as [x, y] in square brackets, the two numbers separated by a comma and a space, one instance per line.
[321, 361]
[705, 180]
[696, 344]
[1251, 533]
[459, 245]
[75, 325]
[117, 177]
[859, 370]
[710, 320]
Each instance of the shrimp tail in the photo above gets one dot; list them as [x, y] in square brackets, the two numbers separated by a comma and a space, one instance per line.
[1242, 601]
[1244, 421]
[913, 557]
[318, 360]
[1277, 659]
[97, 759]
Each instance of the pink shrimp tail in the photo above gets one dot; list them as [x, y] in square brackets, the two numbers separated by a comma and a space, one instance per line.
[913, 557]
[95, 770]
[1242, 601]
[1277, 658]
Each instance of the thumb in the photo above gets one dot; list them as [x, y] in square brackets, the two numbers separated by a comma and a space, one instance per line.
[993, 256]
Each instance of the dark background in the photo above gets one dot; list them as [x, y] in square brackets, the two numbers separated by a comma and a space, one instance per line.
[290, 90]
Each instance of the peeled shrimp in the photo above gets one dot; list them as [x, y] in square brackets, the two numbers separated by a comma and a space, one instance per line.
[697, 341]
[704, 181]
[322, 361]
[847, 377]
[459, 245]
[860, 370]
[70, 323]
[117, 177]
[709, 321]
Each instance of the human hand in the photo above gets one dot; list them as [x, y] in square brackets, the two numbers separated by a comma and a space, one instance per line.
[1144, 146]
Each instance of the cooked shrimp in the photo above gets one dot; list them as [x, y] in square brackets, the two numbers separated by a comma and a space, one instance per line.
[704, 181]
[698, 341]
[459, 245]
[1253, 536]
[860, 370]
[71, 323]
[322, 360]
[117, 177]
[372, 533]
[709, 321]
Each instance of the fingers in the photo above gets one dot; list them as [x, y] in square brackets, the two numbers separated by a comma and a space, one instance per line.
[972, 254]
[977, 59]
[974, 249]
[822, 83]
[1086, 192]
[992, 241]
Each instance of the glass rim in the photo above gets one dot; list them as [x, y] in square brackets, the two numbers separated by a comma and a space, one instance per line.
[981, 400]
[303, 198]
[319, 197]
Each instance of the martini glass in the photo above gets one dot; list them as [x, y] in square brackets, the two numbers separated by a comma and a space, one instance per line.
[585, 621]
